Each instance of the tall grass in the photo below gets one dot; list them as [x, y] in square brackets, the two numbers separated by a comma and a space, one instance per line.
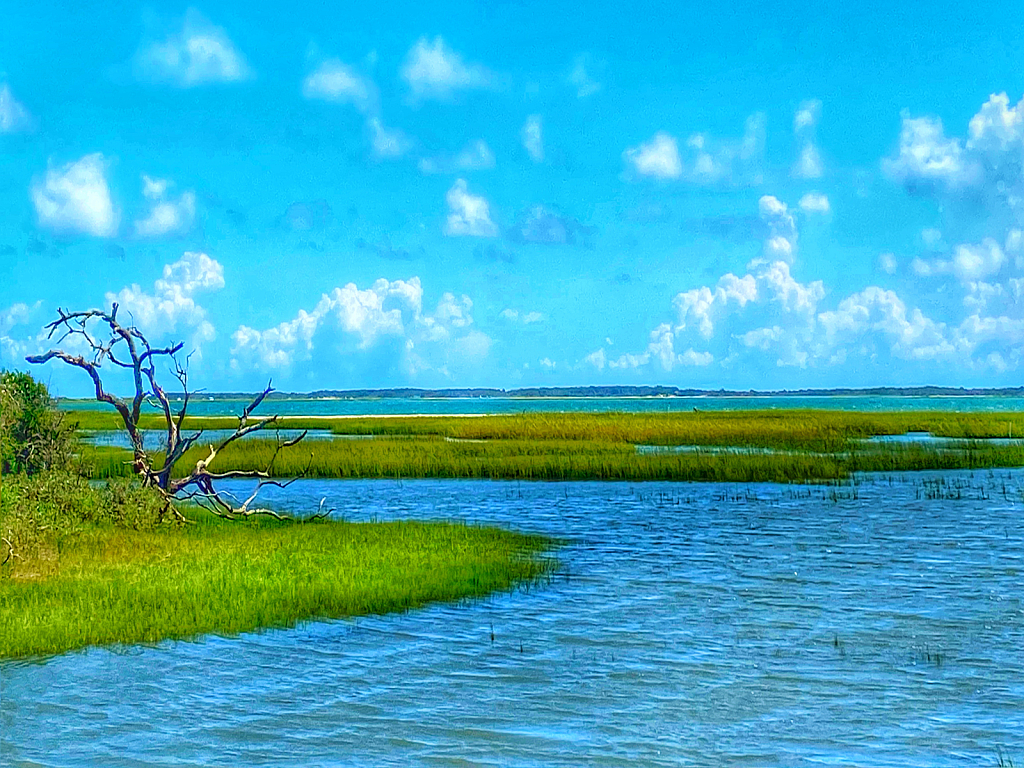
[786, 446]
[810, 429]
[116, 585]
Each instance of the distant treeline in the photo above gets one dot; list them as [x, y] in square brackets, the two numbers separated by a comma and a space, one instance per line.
[570, 392]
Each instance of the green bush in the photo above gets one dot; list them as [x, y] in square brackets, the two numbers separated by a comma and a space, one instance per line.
[39, 513]
[34, 435]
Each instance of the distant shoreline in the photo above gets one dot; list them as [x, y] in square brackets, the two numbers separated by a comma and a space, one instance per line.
[601, 393]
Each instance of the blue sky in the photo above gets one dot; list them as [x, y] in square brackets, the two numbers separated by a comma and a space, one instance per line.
[454, 194]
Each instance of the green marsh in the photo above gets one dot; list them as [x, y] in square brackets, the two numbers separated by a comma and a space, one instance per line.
[109, 584]
[720, 446]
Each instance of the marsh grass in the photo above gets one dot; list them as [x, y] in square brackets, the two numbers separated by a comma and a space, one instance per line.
[808, 429]
[778, 446]
[111, 584]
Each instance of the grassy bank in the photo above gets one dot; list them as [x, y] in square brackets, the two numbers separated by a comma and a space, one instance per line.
[813, 430]
[108, 584]
[499, 460]
[492, 454]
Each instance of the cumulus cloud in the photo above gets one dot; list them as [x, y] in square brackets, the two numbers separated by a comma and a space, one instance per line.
[166, 217]
[525, 318]
[977, 185]
[782, 230]
[388, 315]
[476, 156]
[987, 164]
[171, 307]
[199, 54]
[815, 202]
[703, 159]
[927, 159]
[805, 125]
[581, 80]
[660, 350]
[468, 215]
[712, 160]
[75, 198]
[768, 312]
[14, 117]
[657, 158]
[533, 138]
[969, 262]
[335, 81]
[387, 142]
[432, 70]
[14, 346]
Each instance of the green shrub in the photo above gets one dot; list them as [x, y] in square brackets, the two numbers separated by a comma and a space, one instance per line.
[34, 434]
[40, 513]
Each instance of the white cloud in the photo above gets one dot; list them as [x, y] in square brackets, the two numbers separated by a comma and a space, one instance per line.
[75, 198]
[468, 215]
[815, 202]
[808, 165]
[14, 348]
[580, 79]
[782, 231]
[887, 263]
[548, 364]
[201, 53]
[696, 359]
[526, 318]
[660, 349]
[533, 138]
[14, 117]
[597, 359]
[928, 160]
[973, 262]
[805, 126]
[387, 315]
[165, 217]
[435, 71]
[337, 82]
[476, 156]
[172, 304]
[387, 142]
[970, 262]
[16, 314]
[658, 158]
[708, 160]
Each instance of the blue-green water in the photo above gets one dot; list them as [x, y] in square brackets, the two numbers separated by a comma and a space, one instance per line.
[875, 625]
[331, 407]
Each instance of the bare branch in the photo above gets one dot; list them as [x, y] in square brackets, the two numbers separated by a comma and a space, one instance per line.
[128, 348]
[10, 551]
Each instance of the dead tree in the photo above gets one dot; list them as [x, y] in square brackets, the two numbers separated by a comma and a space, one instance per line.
[107, 340]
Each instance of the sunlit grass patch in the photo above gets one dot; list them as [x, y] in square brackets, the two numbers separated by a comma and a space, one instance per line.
[112, 585]
[784, 446]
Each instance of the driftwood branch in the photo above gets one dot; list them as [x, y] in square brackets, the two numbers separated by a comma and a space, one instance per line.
[10, 551]
[106, 338]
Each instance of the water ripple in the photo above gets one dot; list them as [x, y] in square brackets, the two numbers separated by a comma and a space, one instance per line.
[690, 625]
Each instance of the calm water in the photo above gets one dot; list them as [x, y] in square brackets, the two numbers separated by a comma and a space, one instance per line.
[641, 405]
[692, 624]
